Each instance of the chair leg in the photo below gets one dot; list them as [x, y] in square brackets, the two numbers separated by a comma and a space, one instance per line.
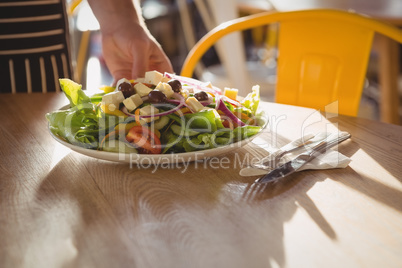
[82, 55]
[388, 76]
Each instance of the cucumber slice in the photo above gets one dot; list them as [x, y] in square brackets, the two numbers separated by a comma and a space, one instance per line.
[161, 122]
[178, 130]
[117, 146]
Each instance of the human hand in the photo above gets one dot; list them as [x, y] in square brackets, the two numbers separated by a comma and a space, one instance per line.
[130, 51]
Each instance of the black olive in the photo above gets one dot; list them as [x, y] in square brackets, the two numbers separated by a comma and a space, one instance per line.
[127, 89]
[201, 96]
[156, 96]
[175, 84]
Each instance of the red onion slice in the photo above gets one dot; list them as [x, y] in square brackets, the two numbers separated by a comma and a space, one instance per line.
[199, 85]
[176, 108]
[195, 83]
[220, 105]
[236, 103]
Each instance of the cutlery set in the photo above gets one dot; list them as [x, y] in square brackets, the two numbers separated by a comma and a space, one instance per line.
[313, 146]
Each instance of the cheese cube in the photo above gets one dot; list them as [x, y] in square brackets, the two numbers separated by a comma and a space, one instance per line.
[231, 93]
[194, 104]
[153, 77]
[142, 89]
[140, 80]
[132, 102]
[208, 84]
[113, 99]
[149, 110]
[217, 115]
[189, 89]
[165, 79]
[165, 88]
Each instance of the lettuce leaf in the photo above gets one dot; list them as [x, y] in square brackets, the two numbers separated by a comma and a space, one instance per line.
[73, 92]
[204, 121]
[78, 125]
[252, 100]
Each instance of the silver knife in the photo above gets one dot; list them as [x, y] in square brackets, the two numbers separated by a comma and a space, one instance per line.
[272, 161]
[302, 159]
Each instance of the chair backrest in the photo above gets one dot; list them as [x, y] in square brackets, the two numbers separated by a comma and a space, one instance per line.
[323, 55]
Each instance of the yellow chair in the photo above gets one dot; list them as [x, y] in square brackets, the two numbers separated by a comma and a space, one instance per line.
[81, 56]
[323, 55]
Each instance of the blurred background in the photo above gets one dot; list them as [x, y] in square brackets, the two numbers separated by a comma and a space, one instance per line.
[179, 24]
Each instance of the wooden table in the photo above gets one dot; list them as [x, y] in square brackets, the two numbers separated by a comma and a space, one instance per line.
[62, 209]
[389, 11]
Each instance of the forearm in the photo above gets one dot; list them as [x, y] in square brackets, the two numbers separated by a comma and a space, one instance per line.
[114, 14]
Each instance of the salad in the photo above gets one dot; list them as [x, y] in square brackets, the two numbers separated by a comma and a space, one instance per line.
[156, 114]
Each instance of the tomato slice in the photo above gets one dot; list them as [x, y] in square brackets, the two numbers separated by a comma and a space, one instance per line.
[144, 138]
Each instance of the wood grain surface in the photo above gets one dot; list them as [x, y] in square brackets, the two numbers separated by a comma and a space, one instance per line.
[62, 209]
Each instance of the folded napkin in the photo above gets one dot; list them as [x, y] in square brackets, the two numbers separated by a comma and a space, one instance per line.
[330, 159]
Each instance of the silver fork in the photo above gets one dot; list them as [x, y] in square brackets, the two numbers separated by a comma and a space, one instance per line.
[303, 158]
[273, 160]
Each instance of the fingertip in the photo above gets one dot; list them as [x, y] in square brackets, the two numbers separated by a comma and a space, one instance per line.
[139, 67]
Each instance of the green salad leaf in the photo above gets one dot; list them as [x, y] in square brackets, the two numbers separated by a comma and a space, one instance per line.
[206, 120]
[73, 92]
[244, 132]
[79, 125]
[252, 100]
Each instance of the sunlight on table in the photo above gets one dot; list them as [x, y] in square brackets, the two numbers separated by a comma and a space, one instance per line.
[59, 153]
[373, 168]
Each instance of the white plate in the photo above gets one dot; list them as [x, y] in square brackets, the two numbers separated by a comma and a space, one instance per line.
[154, 159]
